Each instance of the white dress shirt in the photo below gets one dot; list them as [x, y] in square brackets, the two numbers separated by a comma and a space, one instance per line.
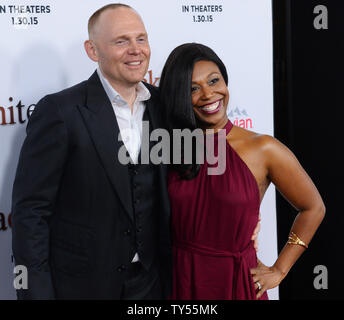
[129, 123]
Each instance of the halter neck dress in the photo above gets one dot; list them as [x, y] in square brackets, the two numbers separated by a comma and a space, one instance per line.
[213, 219]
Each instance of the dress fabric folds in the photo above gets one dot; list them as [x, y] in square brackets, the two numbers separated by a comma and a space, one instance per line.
[213, 219]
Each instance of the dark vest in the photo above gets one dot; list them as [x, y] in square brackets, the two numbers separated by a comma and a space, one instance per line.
[145, 197]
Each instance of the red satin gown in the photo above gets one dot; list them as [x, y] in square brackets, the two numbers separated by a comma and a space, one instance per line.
[213, 219]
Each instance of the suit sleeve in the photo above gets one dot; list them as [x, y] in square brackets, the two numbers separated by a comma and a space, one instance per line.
[35, 188]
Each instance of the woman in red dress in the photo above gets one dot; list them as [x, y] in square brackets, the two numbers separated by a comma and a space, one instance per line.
[213, 216]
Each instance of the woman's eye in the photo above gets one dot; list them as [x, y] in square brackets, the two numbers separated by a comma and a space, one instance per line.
[193, 89]
[213, 81]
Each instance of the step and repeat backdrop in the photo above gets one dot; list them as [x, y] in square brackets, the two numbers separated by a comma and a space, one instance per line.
[42, 52]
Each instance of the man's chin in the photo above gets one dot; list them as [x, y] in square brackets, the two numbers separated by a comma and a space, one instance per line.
[136, 80]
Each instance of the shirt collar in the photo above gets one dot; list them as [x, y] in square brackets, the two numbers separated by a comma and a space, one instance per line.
[142, 93]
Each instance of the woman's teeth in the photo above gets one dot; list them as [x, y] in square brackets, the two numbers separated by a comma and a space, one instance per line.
[211, 107]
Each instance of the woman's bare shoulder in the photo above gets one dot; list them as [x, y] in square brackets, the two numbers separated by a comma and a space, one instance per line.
[239, 134]
[266, 146]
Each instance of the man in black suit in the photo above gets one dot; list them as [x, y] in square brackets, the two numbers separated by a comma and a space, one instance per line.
[85, 225]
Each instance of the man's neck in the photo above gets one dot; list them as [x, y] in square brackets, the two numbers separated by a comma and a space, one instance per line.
[128, 93]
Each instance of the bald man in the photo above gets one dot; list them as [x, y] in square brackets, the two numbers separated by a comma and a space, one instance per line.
[85, 225]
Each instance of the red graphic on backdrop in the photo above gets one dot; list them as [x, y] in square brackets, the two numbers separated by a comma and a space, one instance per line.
[153, 81]
[241, 118]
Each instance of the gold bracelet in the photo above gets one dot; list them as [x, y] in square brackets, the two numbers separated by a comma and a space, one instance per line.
[294, 239]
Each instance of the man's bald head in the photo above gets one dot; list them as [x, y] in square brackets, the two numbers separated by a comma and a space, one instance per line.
[92, 21]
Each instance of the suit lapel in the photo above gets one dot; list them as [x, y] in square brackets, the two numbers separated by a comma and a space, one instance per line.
[156, 122]
[103, 128]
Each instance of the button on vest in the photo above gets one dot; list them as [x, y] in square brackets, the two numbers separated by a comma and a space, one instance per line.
[145, 199]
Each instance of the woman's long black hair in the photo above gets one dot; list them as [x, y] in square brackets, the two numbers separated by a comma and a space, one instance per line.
[175, 93]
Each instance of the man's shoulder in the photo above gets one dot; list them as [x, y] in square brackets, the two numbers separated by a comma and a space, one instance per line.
[155, 96]
[64, 99]
[154, 91]
[70, 93]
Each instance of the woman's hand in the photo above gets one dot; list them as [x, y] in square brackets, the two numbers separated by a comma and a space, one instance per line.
[267, 277]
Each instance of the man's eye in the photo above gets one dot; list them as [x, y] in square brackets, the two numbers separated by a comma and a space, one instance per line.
[120, 42]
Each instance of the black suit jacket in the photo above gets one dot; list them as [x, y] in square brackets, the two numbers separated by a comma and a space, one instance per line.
[72, 202]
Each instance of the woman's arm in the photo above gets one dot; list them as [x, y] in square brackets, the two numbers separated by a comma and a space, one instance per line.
[295, 185]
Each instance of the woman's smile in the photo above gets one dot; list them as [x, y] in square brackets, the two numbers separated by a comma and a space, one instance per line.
[213, 107]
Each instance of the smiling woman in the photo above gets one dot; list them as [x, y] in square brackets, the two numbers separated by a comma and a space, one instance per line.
[214, 216]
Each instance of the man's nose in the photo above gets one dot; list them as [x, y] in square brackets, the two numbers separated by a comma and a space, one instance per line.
[134, 48]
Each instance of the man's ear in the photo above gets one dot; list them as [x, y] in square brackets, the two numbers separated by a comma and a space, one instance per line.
[91, 50]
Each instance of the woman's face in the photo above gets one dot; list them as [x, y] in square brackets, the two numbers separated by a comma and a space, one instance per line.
[209, 95]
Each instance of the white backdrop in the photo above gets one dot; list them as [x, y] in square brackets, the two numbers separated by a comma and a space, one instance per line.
[42, 52]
